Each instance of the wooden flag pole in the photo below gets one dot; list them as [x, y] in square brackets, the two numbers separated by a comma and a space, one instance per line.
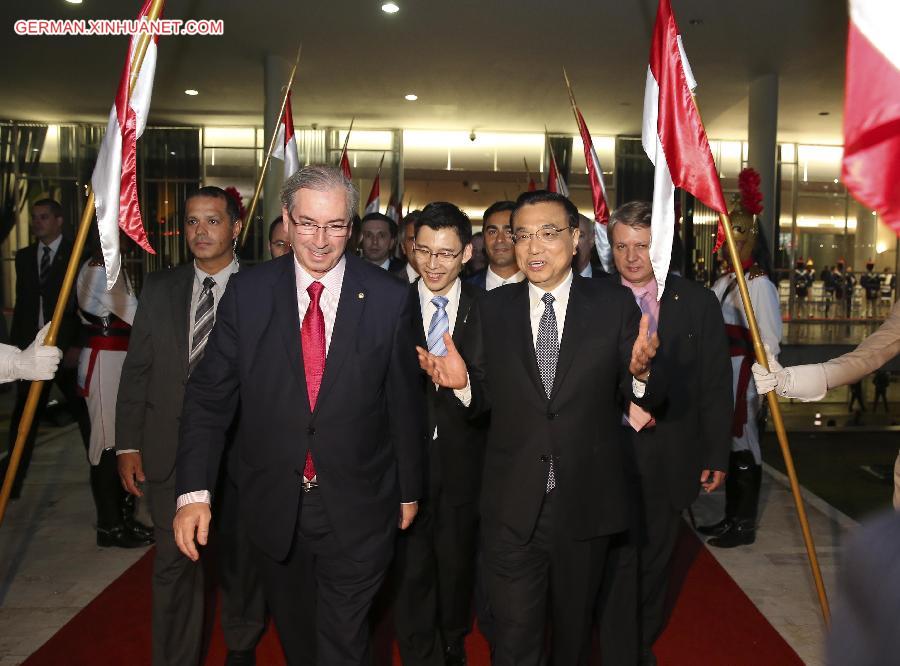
[262, 174]
[34, 392]
[346, 141]
[572, 99]
[777, 421]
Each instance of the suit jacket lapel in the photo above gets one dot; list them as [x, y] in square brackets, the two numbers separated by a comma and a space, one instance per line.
[465, 304]
[575, 328]
[417, 324]
[521, 332]
[181, 308]
[287, 320]
[343, 338]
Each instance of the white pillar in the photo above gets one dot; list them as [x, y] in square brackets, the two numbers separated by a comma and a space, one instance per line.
[762, 137]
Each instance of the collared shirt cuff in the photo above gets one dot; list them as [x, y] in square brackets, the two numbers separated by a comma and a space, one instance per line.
[638, 387]
[464, 395]
[121, 451]
[195, 497]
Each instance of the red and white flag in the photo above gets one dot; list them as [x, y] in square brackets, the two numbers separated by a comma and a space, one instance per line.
[555, 182]
[114, 180]
[598, 194]
[871, 166]
[373, 203]
[393, 209]
[345, 166]
[286, 142]
[674, 139]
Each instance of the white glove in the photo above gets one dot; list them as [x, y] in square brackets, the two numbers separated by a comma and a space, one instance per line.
[804, 382]
[37, 362]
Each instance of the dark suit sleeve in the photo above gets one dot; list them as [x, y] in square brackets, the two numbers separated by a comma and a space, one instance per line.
[655, 391]
[472, 351]
[18, 329]
[406, 404]
[716, 400]
[210, 401]
[131, 402]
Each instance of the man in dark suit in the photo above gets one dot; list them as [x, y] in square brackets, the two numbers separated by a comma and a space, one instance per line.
[40, 269]
[498, 245]
[378, 238]
[550, 358]
[317, 351]
[175, 314]
[586, 262]
[435, 561]
[408, 271]
[681, 447]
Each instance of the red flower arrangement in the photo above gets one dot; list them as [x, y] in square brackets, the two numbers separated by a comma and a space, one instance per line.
[233, 192]
[751, 197]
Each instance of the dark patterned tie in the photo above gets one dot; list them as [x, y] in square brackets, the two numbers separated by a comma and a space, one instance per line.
[44, 268]
[203, 323]
[547, 351]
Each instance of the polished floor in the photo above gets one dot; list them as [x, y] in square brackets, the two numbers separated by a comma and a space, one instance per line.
[50, 567]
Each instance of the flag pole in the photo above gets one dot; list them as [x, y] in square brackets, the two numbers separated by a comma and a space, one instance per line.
[527, 171]
[346, 141]
[265, 165]
[34, 392]
[572, 99]
[777, 421]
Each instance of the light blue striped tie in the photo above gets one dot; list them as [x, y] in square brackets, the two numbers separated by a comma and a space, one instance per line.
[440, 324]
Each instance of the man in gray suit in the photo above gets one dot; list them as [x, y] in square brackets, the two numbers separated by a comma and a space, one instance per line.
[173, 321]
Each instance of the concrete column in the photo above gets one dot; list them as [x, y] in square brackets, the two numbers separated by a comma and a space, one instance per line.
[276, 72]
[762, 137]
[864, 240]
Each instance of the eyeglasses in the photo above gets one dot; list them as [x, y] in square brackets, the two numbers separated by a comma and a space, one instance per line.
[491, 232]
[544, 234]
[332, 229]
[444, 256]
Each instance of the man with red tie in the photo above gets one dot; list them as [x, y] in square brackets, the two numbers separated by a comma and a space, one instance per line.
[315, 350]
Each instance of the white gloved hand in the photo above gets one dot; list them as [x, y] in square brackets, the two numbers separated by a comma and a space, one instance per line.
[37, 362]
[803, 382]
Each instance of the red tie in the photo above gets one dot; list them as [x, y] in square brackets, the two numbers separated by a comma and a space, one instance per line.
[312, 336]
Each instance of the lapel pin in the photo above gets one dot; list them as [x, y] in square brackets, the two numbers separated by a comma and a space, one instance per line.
[360, 295]
[676, 297]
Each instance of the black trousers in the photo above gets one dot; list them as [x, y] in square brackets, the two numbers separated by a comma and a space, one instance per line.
[521, 580]
[243, 603]
[319, 597]
[66, 381]
[434, 576]
[632, 605]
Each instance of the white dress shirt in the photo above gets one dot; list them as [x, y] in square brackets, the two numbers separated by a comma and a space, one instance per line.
[54, 248]
[221, 280]
[332, 282]
[411, 274]
[492, 280]
[385, 264]
[587, 272]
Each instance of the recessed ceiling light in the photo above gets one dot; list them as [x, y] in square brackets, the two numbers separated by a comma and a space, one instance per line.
[191, 92]
[74, 2]
[411, 97]
[390, 8]
[824, 113]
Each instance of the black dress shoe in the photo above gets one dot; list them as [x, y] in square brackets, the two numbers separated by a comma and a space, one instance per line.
[716, 529]
[241, 658]
[120, 537]
[455, 654]
[742, 534]
[138, 529]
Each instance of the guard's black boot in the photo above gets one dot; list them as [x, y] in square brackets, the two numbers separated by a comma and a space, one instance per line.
[748, 480]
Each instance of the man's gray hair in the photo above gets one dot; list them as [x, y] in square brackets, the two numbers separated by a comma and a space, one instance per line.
[634, 214]
[321, 178]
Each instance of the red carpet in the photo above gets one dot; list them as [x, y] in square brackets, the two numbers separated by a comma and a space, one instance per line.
[713, 622]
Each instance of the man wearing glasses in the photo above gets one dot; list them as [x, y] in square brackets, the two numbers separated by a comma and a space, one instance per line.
[553, 359]
[435, 563]
[498, 245]
[318, 346]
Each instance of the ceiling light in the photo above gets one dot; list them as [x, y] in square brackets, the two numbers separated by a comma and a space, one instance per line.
[390, 8]
[74, 2]
[824, 113]
[191, 92]
[411, 97]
